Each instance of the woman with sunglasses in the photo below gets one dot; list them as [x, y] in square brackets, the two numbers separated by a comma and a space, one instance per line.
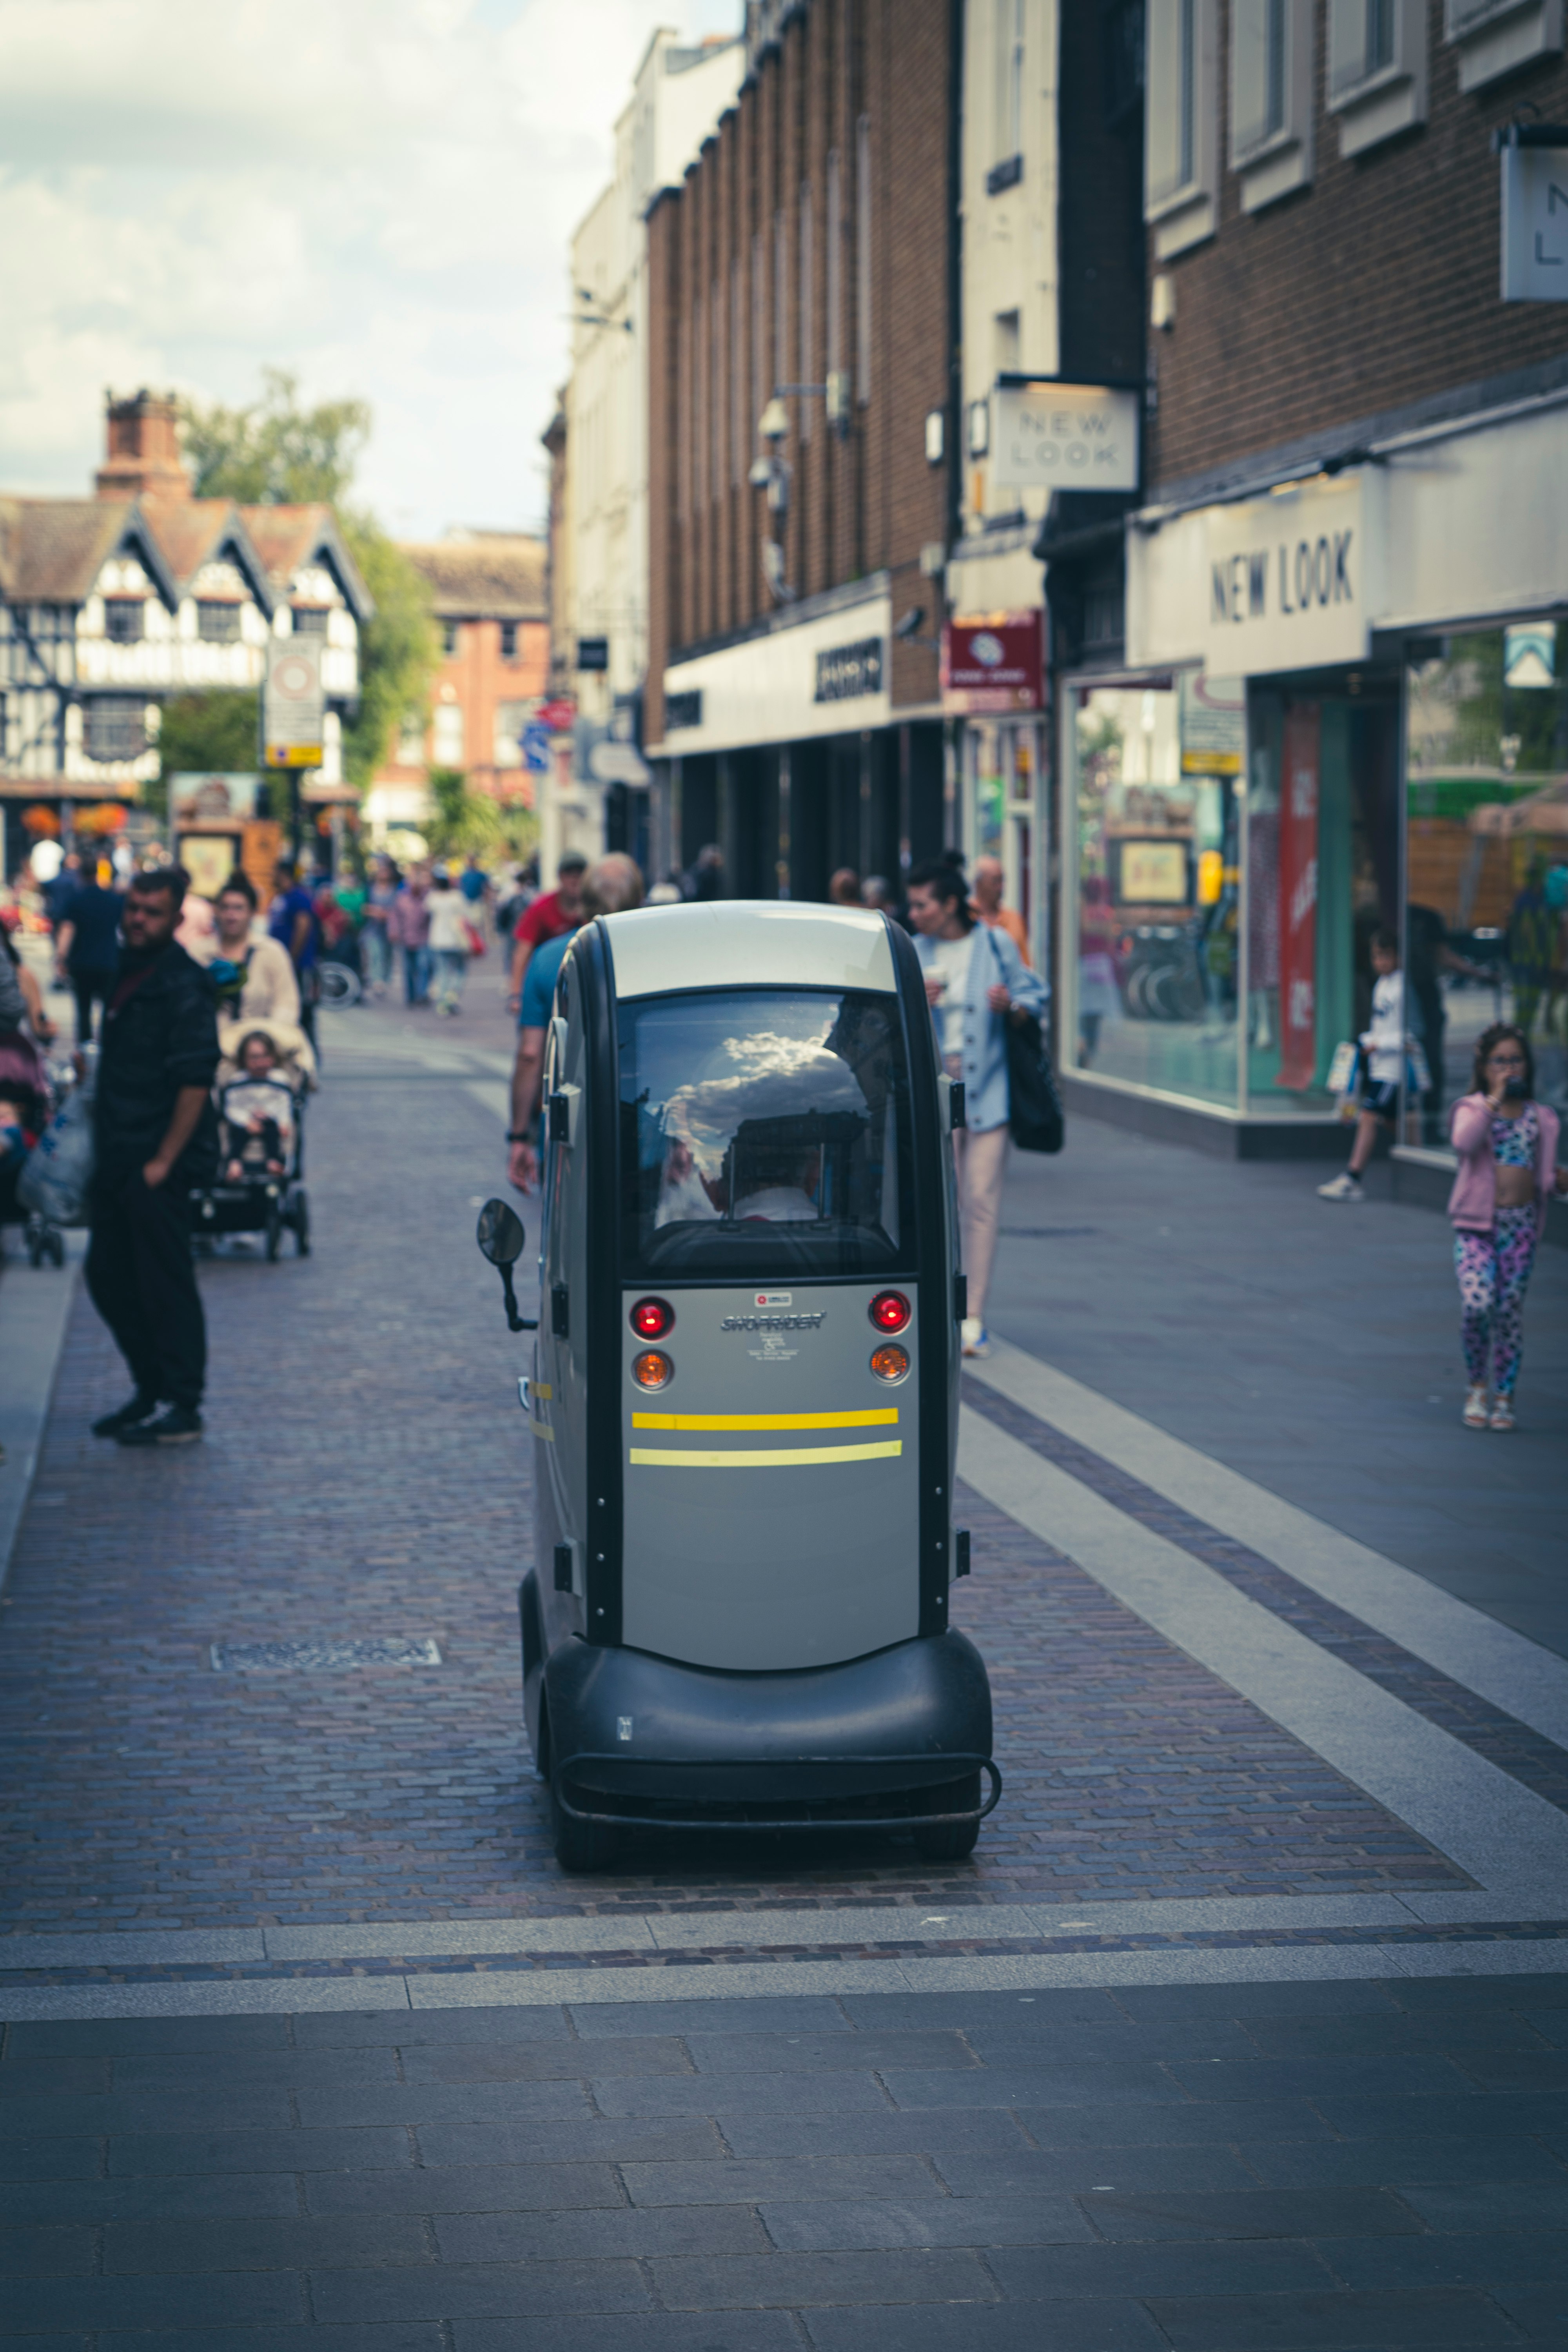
[1506, 1144]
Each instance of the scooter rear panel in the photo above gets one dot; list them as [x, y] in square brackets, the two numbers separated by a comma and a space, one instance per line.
[772, 1513]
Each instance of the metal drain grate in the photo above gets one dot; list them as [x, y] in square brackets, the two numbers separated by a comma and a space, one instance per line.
[322, 1657]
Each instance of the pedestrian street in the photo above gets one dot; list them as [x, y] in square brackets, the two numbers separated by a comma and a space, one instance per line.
[1245, 2024]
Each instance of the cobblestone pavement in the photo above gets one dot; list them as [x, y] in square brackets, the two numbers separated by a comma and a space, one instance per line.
[1318, 2146]
[364, 1475]
[1203, 2168]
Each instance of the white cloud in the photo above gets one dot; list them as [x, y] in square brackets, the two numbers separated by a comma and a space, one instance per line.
[374, 193]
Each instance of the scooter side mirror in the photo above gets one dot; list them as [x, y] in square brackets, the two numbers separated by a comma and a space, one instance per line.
[501, 1238]
[500, 1233]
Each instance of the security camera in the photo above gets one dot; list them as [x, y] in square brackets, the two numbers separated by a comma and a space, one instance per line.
[761, 474]
[909, 625]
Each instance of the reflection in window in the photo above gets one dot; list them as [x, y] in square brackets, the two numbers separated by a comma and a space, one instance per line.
[1486, 852]
[1158, 830]
[765, 1132]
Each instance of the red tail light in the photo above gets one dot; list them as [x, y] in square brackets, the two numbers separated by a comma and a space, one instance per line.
[889, 1310]
[651, 1318]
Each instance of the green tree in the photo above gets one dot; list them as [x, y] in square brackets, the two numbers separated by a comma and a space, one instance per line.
[464, 820]
[214, 731]
[278, 453]
[275, 453]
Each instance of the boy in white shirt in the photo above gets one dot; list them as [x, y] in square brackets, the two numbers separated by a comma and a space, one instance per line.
[1384, 1046]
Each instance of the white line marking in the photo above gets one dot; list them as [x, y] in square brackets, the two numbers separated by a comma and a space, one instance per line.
[1492, 1660]
[1500, 1832]
[785, 1979]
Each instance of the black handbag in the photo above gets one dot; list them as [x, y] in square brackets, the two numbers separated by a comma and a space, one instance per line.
[1035, 1120]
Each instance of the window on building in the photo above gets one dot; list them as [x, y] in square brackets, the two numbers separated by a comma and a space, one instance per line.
[1007, 114]
[448, 638]
[218, 621]
[448, 745]
[114, 726]
[509, 641]
[807, 309]
[512, 717]
[1496, 37]
[411, 740]
[863, 259]
[833, 265]
[1270, 97]
[124, 620]
[1180, 123]
[781, 299]
[309, 620]
[52, 623]
[1007, 339]
[1377, 69]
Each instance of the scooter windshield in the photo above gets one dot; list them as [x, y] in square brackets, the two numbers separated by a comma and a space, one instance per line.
[765, 1132]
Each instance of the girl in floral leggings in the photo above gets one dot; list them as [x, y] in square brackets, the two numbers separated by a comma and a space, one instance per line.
[1506, 1144]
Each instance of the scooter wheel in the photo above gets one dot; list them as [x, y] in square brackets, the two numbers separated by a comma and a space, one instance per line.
[582, 1848]
[274, 1235]
[301, 1225]
[942, 1841]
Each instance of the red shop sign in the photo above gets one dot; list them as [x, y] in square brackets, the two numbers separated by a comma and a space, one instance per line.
[557, 714]
[994, 662]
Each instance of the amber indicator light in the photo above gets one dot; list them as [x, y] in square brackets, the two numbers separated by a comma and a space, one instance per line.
[651, 1318]
[652, 1369]
[891, 1363]
[889, 1310]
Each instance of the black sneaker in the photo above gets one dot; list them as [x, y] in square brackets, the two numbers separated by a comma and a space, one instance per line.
[141, 1408]
[180, 1425]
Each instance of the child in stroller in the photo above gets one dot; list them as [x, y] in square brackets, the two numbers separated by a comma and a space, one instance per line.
[256, 1109]
[259, 1093]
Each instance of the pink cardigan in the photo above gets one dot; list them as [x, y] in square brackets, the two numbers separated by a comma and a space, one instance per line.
[1472, 1203]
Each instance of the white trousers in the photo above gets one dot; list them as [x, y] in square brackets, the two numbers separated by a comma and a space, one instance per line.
[981, 1161]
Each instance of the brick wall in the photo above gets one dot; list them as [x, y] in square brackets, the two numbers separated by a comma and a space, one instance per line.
[1374, 287]
[862, 503]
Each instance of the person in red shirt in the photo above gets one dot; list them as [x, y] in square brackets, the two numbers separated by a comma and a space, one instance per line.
[552, 914]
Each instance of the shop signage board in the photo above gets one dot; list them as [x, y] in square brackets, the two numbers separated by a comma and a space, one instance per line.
[1080, 437]
[992, 662]
[194, 796]
[1535, 215]
[557, 714]
[294, 707]
[797, 677]
[1287, 580]
[845, 673]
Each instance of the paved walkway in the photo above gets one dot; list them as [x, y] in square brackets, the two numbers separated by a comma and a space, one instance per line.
[1244, 2026]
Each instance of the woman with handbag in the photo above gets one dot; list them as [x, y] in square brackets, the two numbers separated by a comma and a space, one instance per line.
[1507, 1147]
[977, 984]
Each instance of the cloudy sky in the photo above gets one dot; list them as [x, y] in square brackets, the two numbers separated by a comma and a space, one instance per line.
[376, 193]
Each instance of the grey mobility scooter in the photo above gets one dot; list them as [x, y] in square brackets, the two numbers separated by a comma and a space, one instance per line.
[744, 1396]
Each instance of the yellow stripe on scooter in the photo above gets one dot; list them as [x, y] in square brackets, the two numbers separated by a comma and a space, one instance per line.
[873, 1416]
[772, 1457]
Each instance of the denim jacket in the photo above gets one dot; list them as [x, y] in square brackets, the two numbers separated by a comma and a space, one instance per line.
[984, 1039]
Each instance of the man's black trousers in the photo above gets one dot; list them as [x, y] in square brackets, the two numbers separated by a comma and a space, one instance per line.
[142, 1281]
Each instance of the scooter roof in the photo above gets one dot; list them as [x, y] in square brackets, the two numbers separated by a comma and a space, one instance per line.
[748, 943]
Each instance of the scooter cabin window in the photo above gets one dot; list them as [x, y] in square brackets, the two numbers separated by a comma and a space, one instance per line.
[765, 1132]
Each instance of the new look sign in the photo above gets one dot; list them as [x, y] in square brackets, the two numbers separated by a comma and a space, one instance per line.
[1287, 581]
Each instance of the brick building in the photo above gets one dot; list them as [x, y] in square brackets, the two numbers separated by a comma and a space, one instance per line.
[1338, 700]
[803, 275]
[489, 598]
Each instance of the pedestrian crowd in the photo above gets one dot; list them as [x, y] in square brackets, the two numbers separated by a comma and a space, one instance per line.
[195, 1026]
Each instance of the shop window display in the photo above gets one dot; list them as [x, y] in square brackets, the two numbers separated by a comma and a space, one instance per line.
[1486, 852]
[1322, 875]
[1158, 777]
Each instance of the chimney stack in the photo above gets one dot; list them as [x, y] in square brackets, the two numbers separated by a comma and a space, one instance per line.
[144, 459]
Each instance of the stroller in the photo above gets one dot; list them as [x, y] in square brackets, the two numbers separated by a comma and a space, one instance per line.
[39, 1085]
[260, 1187]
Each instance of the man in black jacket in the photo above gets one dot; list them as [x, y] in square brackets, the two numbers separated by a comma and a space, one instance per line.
[156, 1136]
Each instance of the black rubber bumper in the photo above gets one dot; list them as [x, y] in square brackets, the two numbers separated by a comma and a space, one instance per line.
[634, 1737]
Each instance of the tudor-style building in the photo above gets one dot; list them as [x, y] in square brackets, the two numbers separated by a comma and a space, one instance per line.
[112, 603]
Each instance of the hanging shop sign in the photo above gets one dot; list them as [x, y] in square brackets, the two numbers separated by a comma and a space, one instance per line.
[1068, 436]
[1287, 581]
[992, 662]
[1535, 212]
